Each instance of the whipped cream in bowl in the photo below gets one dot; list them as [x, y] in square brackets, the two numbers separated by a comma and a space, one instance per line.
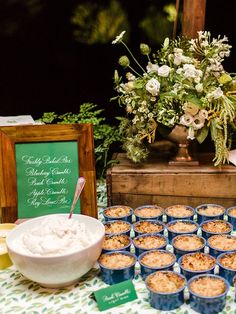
[56, 251]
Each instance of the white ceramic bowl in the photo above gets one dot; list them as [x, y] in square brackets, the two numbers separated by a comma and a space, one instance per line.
[56, 271]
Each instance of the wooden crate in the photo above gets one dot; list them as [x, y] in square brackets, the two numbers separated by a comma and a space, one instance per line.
[156, 182]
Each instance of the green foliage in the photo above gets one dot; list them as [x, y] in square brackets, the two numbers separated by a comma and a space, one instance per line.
[105, 135]
[183, 83]
[96, 23]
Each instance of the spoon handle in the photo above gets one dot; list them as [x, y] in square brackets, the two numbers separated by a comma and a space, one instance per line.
[79, 187]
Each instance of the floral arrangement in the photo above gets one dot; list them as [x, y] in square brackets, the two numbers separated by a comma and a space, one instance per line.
[183, 83]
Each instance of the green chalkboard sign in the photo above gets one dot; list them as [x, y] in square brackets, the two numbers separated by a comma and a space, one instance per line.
[46, 177]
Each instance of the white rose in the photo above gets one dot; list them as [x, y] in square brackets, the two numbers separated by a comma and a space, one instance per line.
[191, 72]
[164, 71]
[186, 119]
[153, 86]
[152, 67]
[198, 122]
[177, 59]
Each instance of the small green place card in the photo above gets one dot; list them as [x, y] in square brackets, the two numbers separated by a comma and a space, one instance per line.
[115, 295]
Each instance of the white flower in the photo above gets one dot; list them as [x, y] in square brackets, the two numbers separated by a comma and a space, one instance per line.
[150, 115]
[152, 67]
[177, 58]
[130, 76]
[164, 71]
[199, 87]
[217, 93]
[189, 71]
[135, 119]
[179, 71]
[198, 122]
[203, 114]
[186, 119]
[128, 86]
[153, 86]
[118, 38]
[190, 134]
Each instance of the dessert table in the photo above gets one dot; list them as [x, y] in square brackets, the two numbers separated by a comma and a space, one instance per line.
[19, 295]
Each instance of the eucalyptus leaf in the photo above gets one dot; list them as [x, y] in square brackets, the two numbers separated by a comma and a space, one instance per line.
[202, 134]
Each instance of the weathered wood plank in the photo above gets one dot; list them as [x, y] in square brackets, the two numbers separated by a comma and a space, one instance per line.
[156, 182]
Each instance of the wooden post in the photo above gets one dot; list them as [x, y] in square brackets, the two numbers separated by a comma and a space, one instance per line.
[193, 17]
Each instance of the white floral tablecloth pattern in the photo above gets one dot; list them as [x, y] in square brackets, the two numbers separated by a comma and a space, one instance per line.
[19, 295]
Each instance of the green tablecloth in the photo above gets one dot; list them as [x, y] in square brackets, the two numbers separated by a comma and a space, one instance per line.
[19, 295]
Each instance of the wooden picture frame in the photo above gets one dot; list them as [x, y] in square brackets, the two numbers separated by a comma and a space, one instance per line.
[11, 135]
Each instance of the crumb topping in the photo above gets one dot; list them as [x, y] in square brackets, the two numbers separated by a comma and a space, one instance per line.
[188, 243]
[180, 226]
[165, 282]
[119, 211]
[115, 242]
[148, 212]
[211, 210]
[216, 226]
[116, 260]
[197, 261]
[179, 211]
[208, 286]
[229, 260]
[149, 242]
[157, 259]
[148, 227]
[116, 227]
[223, 242]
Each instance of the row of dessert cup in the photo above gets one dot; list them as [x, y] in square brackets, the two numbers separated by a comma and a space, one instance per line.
[164, 215]
[168, 300]
[155, 259]
[161, 228]
[133, 245]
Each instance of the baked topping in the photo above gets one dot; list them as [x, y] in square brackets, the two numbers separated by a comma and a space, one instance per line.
[208, 286]
[148, 212]
[223, 242]
[149, 242]
[228, 261]
[180, 226]
[119, 211]
[216, 226]
[116, 260]
[179, 211]
[148, 226]
[188, 243]
[116, 227]
[197, 261]
[211, 210]
[115, 242]
[165, 282]
[232, 212]
[157, 259]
